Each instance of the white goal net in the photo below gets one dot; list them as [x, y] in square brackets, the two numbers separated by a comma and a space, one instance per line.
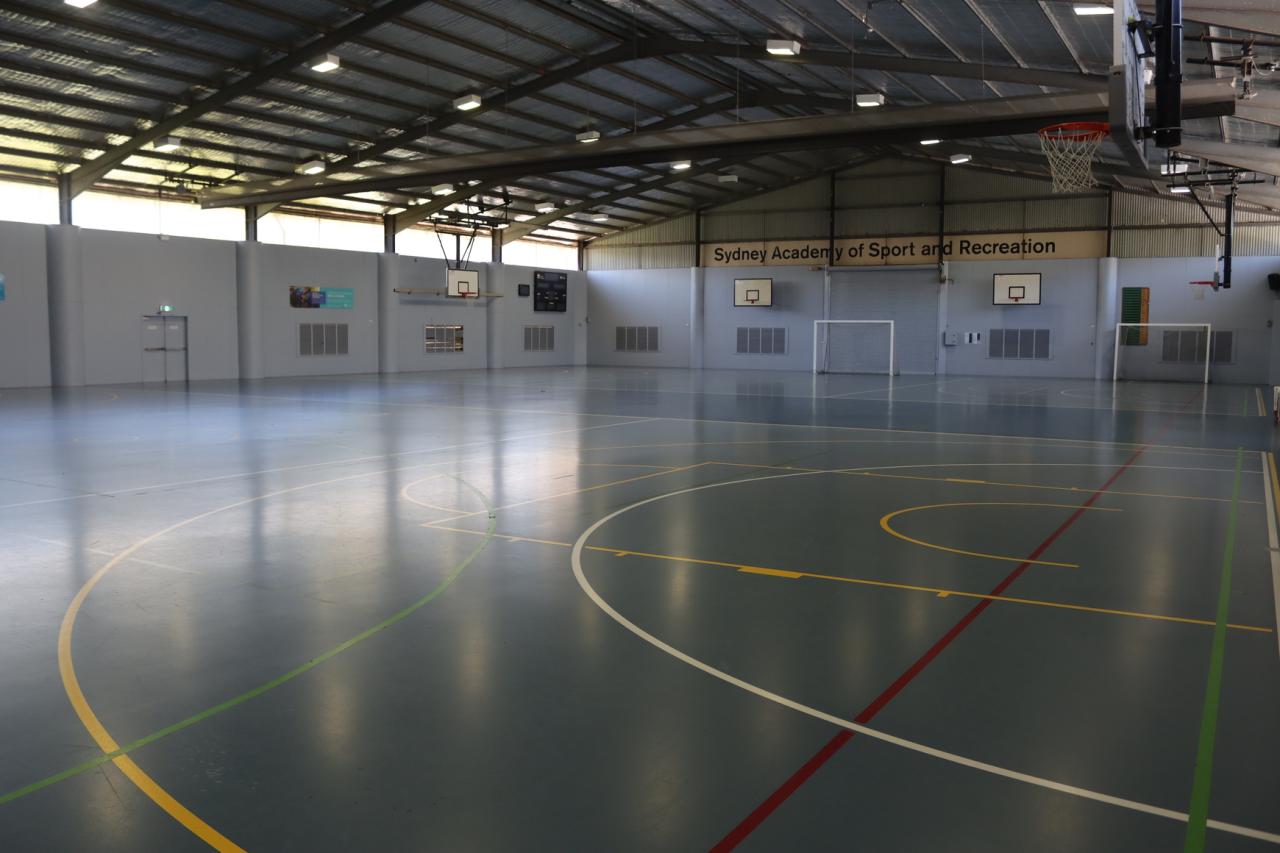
[853, 346]
[1165, 352]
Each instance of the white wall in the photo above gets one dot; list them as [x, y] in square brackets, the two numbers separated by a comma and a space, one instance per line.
[128, 275]
[285, 266]
[639, 298]
[797, 302]
[510, 313]
[24, 313]
[411, 312]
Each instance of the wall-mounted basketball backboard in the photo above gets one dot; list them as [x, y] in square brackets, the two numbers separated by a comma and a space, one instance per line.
[1128, 91]
[752, 292]
[463, 283]
[1021, 288]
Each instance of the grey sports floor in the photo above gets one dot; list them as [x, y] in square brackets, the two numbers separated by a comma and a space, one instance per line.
[600, 609]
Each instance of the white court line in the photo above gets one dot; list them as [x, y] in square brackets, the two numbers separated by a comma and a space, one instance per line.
[1272, 539]
[348, 461]
[890, 388]
[1085, 793]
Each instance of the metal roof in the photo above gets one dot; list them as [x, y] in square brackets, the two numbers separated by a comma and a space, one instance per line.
[85, 90]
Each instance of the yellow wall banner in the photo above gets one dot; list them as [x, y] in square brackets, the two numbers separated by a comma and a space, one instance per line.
[882, 251]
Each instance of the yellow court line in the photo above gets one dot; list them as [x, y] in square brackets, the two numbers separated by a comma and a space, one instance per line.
[932, 590]
[887, 528]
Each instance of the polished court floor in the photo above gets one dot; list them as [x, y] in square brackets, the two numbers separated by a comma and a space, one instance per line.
[607, 609]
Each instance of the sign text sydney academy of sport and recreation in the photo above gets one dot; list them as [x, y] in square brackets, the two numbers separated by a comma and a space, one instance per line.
[882, 251]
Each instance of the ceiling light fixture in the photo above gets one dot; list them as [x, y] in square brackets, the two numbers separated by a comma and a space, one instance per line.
[80, 4]
[331, 62]
[467, 102]
[442, 189]
[589, 136]
[869, 99]
[727, 179]
[600, 217]
[681, 165]
[545, 207]
[1180, 189]
[930, 141]
[1093, 9]
[167, 143]
[312, 167]
[960, 159]
[501, 226]
[782, 47]
[1174, 168]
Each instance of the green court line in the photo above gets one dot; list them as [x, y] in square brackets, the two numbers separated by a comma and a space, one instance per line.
[275, 682]
[1198, 815]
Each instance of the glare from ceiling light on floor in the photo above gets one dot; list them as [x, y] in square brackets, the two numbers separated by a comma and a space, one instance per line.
[1180, 189]
[312, 167]
[869, 99]
[330, 62]
[442, 189]
[782, 47]
[960, 159]
[1093, 9]
[930, 141]
[467, 102]
[588, 136]
[545, 207]
[681, 165]
[80, 4]
[167, 143]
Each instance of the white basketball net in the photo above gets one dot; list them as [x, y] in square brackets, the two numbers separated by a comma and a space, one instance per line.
[1070, 151]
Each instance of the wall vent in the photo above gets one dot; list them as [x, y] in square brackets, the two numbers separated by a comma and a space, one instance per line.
[1018, 343]
[1186, 346]
[322, 339]
[636, 339]
[539, 338]
[762, 340]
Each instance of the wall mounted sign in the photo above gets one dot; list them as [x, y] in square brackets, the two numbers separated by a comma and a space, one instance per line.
[322, 297]
[550, 291]
[921, 249]
[1, 287]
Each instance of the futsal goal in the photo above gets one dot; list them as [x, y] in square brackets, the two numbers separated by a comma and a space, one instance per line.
[854, 346]
[1165, 352]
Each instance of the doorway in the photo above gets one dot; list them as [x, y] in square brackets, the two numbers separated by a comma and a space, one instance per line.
[164, 348]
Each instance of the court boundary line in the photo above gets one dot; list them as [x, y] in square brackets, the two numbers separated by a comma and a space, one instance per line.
[1271, 490]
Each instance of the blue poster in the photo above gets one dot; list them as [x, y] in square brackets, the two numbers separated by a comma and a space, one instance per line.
[322, 297]
[1, 287]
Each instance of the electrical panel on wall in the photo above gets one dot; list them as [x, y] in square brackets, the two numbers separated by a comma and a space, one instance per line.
[550, 291]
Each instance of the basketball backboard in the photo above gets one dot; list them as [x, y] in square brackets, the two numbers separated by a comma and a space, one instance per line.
[1021, 288]
[1129, 75]
[753, 292]
[463, 283]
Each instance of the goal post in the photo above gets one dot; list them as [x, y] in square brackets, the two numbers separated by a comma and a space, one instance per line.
[854, 346]
[1179, 344]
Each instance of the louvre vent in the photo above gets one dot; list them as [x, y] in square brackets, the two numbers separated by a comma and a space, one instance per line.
[322, 338]
[637, 339]
[1018, 343]
[539, 338]
[1186, 346]
[755, 340]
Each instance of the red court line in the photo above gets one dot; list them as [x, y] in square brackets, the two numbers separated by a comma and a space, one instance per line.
[761, 812]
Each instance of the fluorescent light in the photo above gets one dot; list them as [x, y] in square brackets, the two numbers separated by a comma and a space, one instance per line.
[782, 47]
[331, 62]
[312, 167]
[467, 102]
[1180, 189]
[960, 159]
[502, 225]
[442, 189]
[1174, 168]
[727, 179]
[167, 143]
[681, 165]
[80, 4]
[545, 207]
[600, 217]
[588, 136]
[930, 141]
[1093, 9]
[869, 99]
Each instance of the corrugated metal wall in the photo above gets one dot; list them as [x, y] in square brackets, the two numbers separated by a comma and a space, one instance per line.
[897, 197]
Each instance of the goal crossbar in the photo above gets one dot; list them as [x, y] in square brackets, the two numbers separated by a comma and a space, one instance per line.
[817, 324]
[1208, 342]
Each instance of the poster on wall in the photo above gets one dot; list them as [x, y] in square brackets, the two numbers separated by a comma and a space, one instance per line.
[1, 287]
[322, 297]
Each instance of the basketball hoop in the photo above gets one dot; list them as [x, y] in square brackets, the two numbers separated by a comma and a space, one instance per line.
[1070, 148]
